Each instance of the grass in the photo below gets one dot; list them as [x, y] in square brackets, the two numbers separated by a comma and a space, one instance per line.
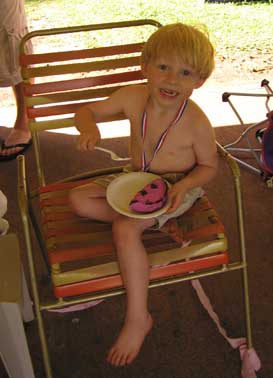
[241, 32]
[234, 27]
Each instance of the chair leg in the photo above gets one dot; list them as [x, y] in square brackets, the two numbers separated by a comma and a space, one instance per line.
[39, 237]
[36, 299]
[244, 260]
[247, 308]
[43, 341]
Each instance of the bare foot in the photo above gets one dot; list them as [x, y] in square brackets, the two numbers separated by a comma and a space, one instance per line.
[15, 137]
[129, 341]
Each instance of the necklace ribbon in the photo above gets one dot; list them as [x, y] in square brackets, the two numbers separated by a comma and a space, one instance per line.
[144, 164]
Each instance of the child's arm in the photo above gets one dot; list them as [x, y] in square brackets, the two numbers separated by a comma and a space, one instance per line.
[205, 150]
[87, 117]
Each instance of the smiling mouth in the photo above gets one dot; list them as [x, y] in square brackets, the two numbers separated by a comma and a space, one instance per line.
[168, 92]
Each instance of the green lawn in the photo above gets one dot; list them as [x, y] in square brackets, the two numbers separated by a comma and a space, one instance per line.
[234, 28]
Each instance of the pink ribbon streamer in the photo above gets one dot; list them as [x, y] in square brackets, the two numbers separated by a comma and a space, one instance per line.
[77, 307]
[250, 360]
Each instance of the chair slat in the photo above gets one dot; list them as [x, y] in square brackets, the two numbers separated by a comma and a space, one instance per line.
[31, 59]
[72, 254]
[64, 69]
[71, 96]
[47, 111]
[159, 259]
[68, 85]
[64, 122]
[105, 283]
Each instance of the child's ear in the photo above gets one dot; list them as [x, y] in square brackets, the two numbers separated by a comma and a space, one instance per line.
[199, 83]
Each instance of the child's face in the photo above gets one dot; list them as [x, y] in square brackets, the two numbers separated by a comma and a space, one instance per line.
[170, 80]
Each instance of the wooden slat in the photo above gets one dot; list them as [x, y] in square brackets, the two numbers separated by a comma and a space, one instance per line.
[175, 256]
[205, 231]
[78, 224]
[47, 111]
[64, 69]
[65, 255]
[68, 85]
[30, 59]
[65, 122]
[71, 96]
[155, 274]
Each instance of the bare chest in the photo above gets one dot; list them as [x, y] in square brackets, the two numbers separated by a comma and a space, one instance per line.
[166, 149]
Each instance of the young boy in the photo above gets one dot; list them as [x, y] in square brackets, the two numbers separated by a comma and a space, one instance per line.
[169, 134]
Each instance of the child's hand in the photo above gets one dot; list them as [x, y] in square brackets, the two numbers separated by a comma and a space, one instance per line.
[87, 141]
[176, 194]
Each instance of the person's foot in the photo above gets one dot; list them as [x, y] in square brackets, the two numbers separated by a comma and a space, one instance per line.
[129, 341]
[15, 138]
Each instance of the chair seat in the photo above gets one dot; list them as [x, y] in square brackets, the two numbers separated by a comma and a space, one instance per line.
[82, 254]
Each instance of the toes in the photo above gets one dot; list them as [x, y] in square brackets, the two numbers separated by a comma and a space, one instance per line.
[116, 359]
[130, 358]
[123, 361]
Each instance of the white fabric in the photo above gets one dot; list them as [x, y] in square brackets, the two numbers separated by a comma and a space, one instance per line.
[190, 197]
[13, 26]
[4, 224]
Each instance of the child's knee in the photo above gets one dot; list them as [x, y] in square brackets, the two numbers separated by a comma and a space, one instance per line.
[124, 229]
[75, 200]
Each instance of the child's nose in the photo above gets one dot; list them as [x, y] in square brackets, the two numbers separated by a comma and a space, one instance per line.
[172, 77]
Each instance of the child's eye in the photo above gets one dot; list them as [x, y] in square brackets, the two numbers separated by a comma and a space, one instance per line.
[163, 67]
[185, 72]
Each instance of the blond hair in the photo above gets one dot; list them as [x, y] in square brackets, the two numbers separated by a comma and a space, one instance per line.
[189, 43]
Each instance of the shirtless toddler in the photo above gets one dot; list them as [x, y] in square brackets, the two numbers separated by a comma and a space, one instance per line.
[169, 133]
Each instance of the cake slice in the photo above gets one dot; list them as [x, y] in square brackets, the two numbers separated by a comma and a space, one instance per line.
[151, 198]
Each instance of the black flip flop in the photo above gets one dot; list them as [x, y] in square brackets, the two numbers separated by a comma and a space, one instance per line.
[24, 147]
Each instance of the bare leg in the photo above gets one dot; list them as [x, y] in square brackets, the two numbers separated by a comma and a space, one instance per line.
[90, 201]
[20, 133]
[134, 268]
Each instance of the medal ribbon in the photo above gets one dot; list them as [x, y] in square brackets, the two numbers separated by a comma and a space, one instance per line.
[144, 164]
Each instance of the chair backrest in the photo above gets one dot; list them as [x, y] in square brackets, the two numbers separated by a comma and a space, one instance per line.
[57, 83]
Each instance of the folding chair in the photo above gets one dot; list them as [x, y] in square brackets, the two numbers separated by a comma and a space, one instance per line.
[244, 145]
[80, 252]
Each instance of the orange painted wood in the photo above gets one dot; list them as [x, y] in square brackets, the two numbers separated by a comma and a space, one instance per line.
[210, 229]
[111, 282]
[189, 266]
[47, 111]
[77, 254]
[97, 247]
[68, 85]
[54, 201]
[29, 59]
[156, 273]
[65, 215]
[73, 229]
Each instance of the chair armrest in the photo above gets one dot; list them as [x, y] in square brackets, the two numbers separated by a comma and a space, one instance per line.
[233, 165]
[238, 196]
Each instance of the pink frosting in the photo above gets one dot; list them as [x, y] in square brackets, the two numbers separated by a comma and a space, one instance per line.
[151, 198]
